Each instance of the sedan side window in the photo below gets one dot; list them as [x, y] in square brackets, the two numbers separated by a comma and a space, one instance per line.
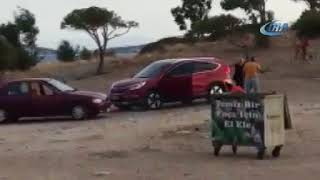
[184, 69]
[35, 89]
[18, 89]
[47, 91]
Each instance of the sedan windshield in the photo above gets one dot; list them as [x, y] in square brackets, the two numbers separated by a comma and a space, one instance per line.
[153, 70]
[60, 86]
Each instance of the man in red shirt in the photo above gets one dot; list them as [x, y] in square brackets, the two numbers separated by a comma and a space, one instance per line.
[304, 47]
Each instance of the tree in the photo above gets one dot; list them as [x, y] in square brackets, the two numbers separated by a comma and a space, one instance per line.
[217, 26]
[256, 9]
[101, 24]
[85, 54]
[18, 42]
[312, 4]
[191, 12]
[66, 52]
[257, 14]
[308, 24]
[26, 24]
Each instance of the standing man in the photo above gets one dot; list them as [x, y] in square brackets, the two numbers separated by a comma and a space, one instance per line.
[238, 73]
[297, 49]
[251, 70]
[304, 48]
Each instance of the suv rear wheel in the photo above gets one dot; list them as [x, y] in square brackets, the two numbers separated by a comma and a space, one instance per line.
[215, 89]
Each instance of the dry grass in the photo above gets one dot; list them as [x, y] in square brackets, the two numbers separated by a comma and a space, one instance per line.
[85, 69]
[67, 71]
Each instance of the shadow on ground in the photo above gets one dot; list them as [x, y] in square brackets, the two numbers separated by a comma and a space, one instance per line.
[41, 120]
[167, 106]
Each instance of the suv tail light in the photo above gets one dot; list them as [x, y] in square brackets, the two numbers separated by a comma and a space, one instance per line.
[227, 69]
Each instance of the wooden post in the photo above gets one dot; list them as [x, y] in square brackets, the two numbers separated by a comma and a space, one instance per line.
[287, 117]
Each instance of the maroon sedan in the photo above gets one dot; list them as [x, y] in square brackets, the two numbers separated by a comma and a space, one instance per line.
[41, 97]
[172, 80]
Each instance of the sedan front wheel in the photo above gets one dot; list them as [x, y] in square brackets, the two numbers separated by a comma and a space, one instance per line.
[79, 113]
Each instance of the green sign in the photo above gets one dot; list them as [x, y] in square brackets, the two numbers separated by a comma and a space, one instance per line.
[238, 120]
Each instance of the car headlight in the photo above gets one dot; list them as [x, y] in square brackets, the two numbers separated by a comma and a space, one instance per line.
[137, 86]
[97, 101]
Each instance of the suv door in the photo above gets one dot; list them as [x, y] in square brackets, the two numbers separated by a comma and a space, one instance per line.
[17, 99]
[177, 83]
[203, 76]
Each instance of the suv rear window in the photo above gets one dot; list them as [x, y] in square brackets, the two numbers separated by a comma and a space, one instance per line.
[183, 69]
[153, 70]
[203, 66]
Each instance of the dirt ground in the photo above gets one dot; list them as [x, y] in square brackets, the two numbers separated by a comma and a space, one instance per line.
[170, 144]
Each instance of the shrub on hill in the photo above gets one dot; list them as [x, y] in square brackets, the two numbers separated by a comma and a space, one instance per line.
[159, 45]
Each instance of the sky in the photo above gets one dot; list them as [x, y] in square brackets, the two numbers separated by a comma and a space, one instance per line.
[154, 17]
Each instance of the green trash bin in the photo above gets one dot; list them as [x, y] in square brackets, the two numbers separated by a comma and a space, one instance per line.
[248, 120]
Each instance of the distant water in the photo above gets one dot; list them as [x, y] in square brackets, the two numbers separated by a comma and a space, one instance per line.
[52, 58]
[48, 58]
[126, 55]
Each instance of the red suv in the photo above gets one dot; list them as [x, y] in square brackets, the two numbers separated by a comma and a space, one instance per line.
[171, 80]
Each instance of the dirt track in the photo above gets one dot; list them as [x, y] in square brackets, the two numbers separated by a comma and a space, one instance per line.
[146, 145]
[158, 145]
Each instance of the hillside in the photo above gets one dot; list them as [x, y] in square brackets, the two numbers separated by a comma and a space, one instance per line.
[278, 58]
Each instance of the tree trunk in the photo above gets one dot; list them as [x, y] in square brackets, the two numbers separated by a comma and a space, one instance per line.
[101, 62]
[263, 13]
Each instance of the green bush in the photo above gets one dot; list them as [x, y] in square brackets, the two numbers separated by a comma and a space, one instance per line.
[25, 59]
[12, 58]
[66, 52]
[85, 54]
[159, 45]
[308, 24]
[6, 54]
